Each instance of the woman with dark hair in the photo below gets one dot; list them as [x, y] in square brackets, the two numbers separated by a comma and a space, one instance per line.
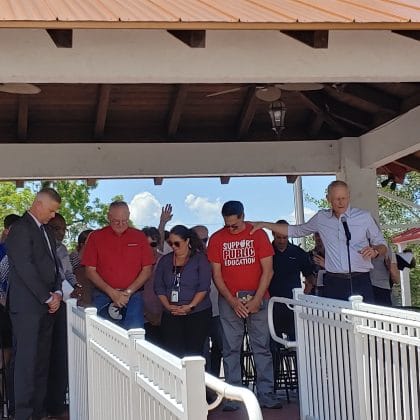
[182, 283]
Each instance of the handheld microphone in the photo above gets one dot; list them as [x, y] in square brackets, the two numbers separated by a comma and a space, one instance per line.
[346, 228]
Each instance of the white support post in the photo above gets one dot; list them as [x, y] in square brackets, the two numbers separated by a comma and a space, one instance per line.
[90, 312]
[302, 360]
[133, 335]
[362, 181]
[193, 388]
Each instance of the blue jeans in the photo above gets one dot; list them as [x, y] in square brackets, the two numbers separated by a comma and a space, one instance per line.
[259, 336]
[134, 316]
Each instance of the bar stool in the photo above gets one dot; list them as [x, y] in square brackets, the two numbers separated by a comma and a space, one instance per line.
[248, 371]
[285, 369]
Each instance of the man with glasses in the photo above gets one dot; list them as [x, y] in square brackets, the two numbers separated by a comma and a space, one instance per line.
[118, 261]
[242, 270]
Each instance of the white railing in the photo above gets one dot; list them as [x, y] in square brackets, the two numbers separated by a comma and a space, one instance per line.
[114, 373]
[355, 360]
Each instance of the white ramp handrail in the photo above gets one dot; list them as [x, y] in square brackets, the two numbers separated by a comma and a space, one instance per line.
[114, 373]
[237, 393]
[355, 360]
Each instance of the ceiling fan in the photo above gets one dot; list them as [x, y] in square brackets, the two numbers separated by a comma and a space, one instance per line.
[19, 88]
[272, 92]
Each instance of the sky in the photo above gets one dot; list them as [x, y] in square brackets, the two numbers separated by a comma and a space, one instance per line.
[199, 200]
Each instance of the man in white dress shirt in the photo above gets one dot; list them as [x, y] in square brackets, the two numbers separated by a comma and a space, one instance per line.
[343, 278]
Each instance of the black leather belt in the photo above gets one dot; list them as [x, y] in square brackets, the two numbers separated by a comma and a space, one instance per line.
[346, 275]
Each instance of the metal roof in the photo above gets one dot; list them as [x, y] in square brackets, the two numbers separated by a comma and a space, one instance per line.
[212, 14]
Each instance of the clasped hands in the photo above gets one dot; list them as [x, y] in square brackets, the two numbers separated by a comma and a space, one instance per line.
[120, 297]
[243, 309]
[179, 309]
[54, 303]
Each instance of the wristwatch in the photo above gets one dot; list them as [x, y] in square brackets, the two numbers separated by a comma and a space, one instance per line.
[129, 291]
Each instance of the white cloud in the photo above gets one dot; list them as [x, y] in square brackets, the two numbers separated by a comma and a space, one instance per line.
[308, 213]
[145, 210]
[206, 211]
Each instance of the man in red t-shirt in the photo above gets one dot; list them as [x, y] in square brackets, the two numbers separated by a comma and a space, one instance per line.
[118, 261]
[242, 271]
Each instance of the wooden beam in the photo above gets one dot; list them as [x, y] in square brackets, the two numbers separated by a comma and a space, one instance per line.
[315, 125]
[410, 161]
[194, 39]
[20, 183]
[224, 180]
[291, 178]
[247, 112]
[409, 34]
[158, 180]
[309, 103]
[177, 108]
[102, 110]
[314, 39]
[91, 182]
[410, 102]
[62, 38]
[365, 99]
[22, 123]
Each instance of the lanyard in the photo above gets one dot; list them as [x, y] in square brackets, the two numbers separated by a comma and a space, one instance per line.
[177, 271]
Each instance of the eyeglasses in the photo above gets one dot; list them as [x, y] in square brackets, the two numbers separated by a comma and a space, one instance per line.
[175, 244]
[153, 244]
[119, 222]
[205, 240]
[233, 227]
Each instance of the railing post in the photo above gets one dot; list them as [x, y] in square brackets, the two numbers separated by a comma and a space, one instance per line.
[133, 335]
[70, 304]
[357, 348]
[90, 312]
[303, 374]
[193, 388]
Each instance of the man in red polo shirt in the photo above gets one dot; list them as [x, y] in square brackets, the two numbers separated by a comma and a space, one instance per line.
[242, 270]
[118, 261]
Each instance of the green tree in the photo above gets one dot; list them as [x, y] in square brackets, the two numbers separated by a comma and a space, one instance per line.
[77, 208]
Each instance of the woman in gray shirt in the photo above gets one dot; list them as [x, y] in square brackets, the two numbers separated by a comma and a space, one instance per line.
[182, 283]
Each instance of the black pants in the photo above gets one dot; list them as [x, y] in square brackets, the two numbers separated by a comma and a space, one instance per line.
[338, 286]
[33, 332]
[382, 296]
[184, 335]
[58, 373]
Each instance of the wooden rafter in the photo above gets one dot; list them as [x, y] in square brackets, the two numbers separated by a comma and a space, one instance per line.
[177, 108]
[224, 180]
[365, 99]
[102, 111]
[314, 39]
[247, 112]
[22, 120]
[62, 38]
[194, 39]
[409, 34]
[316, 125]
[411, 162]
[291, 179]
[323, 114]
[410, 102]
[157, 180]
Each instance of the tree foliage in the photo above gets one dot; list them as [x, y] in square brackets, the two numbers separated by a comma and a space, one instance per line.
[77, 208]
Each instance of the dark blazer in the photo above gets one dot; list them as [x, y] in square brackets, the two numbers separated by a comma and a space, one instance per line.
[33, 270]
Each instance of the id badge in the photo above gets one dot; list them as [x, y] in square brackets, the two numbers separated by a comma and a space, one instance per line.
[174, 296]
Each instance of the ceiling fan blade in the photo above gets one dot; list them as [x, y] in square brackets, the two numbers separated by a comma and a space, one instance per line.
[223, 92]
[268, 93]
[19, 88]
[302, 87]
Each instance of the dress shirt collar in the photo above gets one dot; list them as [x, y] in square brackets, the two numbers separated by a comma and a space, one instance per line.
[346, 213]
[38, 223]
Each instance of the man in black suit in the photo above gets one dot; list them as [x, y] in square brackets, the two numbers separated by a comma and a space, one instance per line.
[34, 297]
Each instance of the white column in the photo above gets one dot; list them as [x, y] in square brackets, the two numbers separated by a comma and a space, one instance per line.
[362, 181]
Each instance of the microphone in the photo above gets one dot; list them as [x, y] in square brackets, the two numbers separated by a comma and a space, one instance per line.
[346, 228]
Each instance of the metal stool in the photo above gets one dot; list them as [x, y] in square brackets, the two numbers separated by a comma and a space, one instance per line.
[285, 370]
[248, 371]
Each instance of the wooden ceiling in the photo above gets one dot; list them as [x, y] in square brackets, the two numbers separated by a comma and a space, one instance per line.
[185, 113]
